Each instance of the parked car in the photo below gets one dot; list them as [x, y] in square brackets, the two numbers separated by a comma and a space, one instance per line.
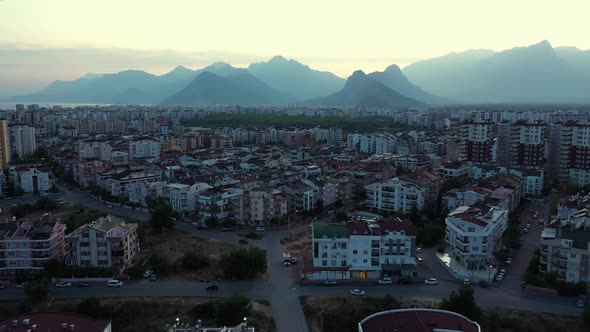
[499, 277]
[147, 274]
[287, 263]
[80, 284]
[212, 287]
[528, 226]
[525, 230]
[431, 281]
[357, 292]
[541, 222]
[293, 260]
[114, 283]
[153, 277]
[418, 249]
[385, 281]
[260, 229]
[466, 281]
[419, 259]
[509, 261]
[63, 284]
[329, 283]
[243, 241]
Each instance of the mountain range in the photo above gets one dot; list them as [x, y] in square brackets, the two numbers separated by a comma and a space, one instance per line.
[538, 73]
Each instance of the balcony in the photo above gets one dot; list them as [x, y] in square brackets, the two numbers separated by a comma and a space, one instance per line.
[562, 266]
[562, 258]
[462, 240]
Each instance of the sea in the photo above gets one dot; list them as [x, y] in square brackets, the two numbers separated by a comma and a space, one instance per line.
[12, 106]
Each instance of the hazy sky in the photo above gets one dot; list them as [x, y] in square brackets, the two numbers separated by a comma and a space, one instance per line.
[43, 40]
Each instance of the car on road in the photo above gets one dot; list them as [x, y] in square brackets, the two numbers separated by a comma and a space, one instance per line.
[508, 261]
[580, 303]
[499, 277]
[243, 241]
[287, 263]
[466, 281]
[114, 283]
[357, 292]
[541, 222]
[147, 274]
[419, 250]
[525, 230]
[153, 277]
[227, 229]
[528, 226]
[80, 284]
[22, 285]
[63, 284]
[329, 283]
[431, 281]
[260, 229]
[293, 260]
[419, 259]
[385, 281]
[212, 287]
[110, 206]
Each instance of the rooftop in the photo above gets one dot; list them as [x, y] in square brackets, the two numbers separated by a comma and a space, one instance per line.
[54, 321]
[417, 320]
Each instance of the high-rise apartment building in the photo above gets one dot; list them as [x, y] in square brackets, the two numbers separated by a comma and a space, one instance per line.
[478, 144]
[521, 144]
[4, 144]
[22, 139]
[570, 152]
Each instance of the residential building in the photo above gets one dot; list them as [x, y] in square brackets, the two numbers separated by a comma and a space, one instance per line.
[30, 179]
[522, 144]
[570, 152]
[27, 246]
[144, 148]
[106, 242]
[4, 144]
[259, 206]
[478, 144]
[411, 163]
[95, 149]
[474, 234]
[454, 169]
[363, 249]
[216, 203]
[300, 196]
[395, 195]
[430, 182]
[22, 140]
[182, 197]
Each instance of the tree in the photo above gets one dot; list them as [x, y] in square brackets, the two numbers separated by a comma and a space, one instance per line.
[243, 263]
[462, 301]
[161, 218]
[430, 234]
[586, 317]
[211, 222]
[160, 264]
[231, 311]
[341, 216]
[194, 261]
[37, 291]
[52, 268]
[90, 307]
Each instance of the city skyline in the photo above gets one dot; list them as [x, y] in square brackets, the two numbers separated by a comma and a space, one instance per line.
[157, 37]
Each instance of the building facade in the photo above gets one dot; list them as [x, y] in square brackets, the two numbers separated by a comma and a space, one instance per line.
[395, 195]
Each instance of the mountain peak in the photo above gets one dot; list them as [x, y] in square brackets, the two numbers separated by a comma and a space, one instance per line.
[542, 44]
[278, 59]
[358, 74]
[394, 69]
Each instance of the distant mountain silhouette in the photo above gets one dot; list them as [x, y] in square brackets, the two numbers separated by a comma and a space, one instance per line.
[533, 74]
[238, 89]
[362, 90]
[393, 77]
[296, 79]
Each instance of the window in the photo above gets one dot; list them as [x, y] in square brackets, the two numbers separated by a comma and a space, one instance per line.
[364, 261]
[343, 245]
[324, 263]
[585, 258]
[354, 252]
[573, 256]
[475, 248]
[366, 252]
[471, 229]
[343, 262]
[103, 262]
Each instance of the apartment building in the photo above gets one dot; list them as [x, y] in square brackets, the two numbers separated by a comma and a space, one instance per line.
[395, 195]
[412, 163]
[474, 234]
[106, 242]
[565, 248]
[430, 182]
[216, 203]
[117, 182]
[183, 197]
[259, 206]
[522, 144]
[144, 148]
[30, 179]
[504, 191]
[4, 144]
[22, 140]
[95, 149]
[570, 152]
[363, 249]
[27, 246]
[478, 144]
[300, 196]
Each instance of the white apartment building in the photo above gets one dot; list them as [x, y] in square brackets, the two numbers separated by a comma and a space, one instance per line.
[30, 179]
[139, 192]
[474, 234]
[183, 197]
[363, 249]
[22, 139]
[259, 206]
[94, 149]
[106, 242]
[216, 203]
[395, 195]
[144, 148]
[301, 196]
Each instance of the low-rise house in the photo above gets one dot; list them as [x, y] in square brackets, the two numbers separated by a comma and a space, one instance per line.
[106, 242]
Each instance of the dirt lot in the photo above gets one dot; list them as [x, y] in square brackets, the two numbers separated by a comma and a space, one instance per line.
[298, 243]
[146, 314]
[173, 245]
[343, 313]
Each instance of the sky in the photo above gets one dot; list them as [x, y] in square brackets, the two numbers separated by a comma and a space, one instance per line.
[45, 40]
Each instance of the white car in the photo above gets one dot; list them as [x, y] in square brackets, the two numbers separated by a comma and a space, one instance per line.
[385, 281]
[63, 284]
[147, 274]
[357, 292]
[419, 250]
[508, 261]
[466, 281]
[500, 277]
[114, 283]
[260, 229]
[431, 281]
